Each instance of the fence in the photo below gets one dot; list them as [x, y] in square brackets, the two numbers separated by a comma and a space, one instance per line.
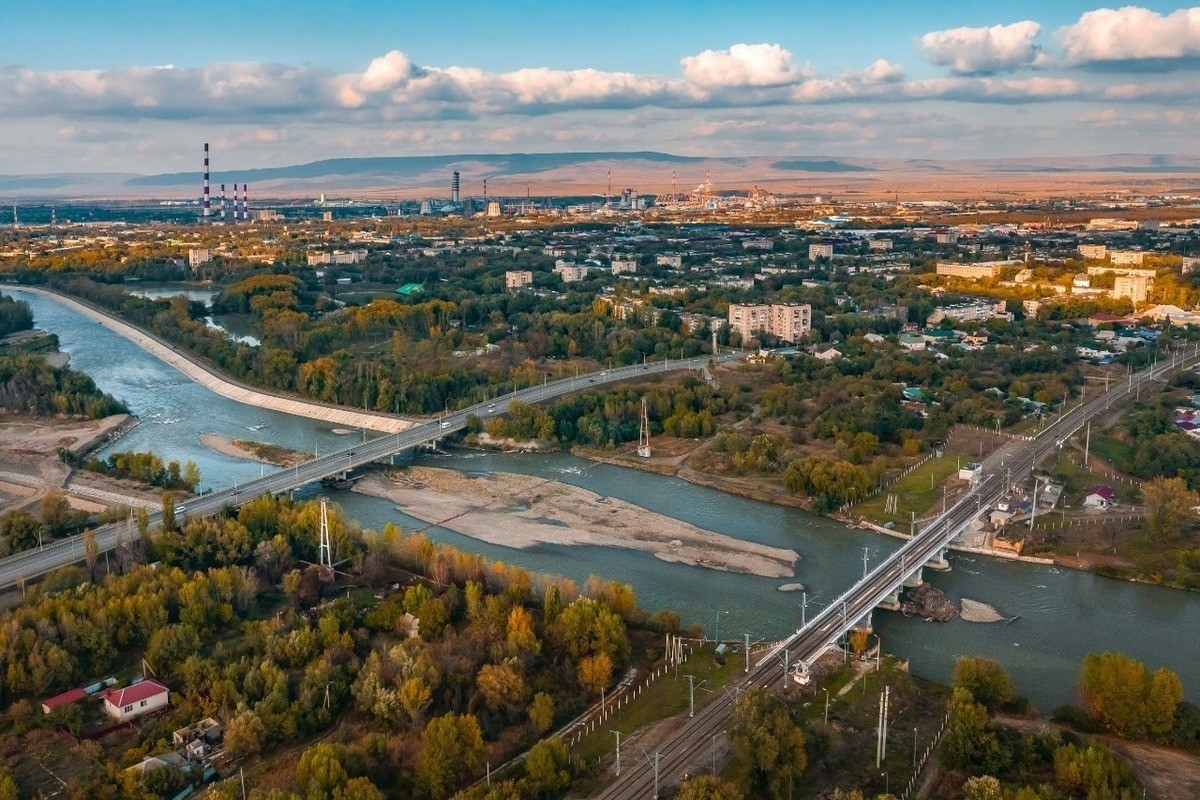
[925, 754]
[1085, 522]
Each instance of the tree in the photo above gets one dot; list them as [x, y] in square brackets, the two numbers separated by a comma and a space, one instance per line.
[91, 552]
[968, 743]
[500, 686]
[546, 767]
[19, 529]
[8, 787]
[708, 787]
[1169, 505]
[321, 771]
[595, 673]
[55, 510]
[245, 735]
[168, 511]
[191, 474]
[1164, 693]
[859, 639]
[414, 697]
[768, 743]
[1119, 692]
[985, 679]
[541, 712]
[982, 788]
[452, 749]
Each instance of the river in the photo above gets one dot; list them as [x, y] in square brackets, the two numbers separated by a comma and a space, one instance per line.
[1063, 613]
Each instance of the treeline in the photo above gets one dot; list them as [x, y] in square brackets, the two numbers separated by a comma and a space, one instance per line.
[613, 417]
[28, 385]
[1119, 696]
[147, 468]
[14, 316]
[236, 622]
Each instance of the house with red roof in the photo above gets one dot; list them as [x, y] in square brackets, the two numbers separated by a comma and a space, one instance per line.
[64, 699]
[133, 701]
[1100, 497]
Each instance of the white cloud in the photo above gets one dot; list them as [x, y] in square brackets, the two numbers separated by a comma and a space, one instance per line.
[968, 51]
[1131, 33]
[757, 65]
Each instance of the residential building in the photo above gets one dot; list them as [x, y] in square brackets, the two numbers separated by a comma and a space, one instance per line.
[821, 250]
[199, 255]
[1126, 258]
[670, 260]
[1096, 251]
[787, 322]
[982, 270]
[757, 244]
[569, 271]
[1100, 497]
[974, 311]
[1148, 274]
[337, 257]
[880, 245]
[133, 701]
[620, 266]
[1190, 265]
[1135, 287]
[946, 237]
[516, 278]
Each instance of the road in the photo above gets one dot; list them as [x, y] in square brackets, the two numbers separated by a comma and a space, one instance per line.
[689, 748]
[32, 563]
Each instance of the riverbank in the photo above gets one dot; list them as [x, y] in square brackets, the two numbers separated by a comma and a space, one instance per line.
[221, 384]
[522, 511]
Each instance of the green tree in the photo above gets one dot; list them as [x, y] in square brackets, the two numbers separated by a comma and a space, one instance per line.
[768, 744]
[546, 767]
[982, 788]
[969, 743]
[191, 474]
[55, 510]
[1169, 505]
[708, 787]
[168, 511]
[19, 529]
[91, 552]
[451, 751]
[541, 712]
[985, 679]
[8, 787]
[321, 771]
[414, 697]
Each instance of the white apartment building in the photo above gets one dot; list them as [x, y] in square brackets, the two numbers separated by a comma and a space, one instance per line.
[199, 255]
[816, 251]
[569, 271]
[1135, 287]
[670, 260]
[788, 322]
[620, 266]
[1126, 258]
[1097, 251]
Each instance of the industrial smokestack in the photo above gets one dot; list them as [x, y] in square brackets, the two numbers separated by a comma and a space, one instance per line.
[222, 202]
[454, 186]
[206, 181]
[245, 200]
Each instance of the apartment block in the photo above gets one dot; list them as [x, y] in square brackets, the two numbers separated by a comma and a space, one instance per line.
[516, 278]
[623, 266]
[670, 260]
[983, 270]
[1097, 251]
[788, 322]
[199, 255]
[1135, 287]
[1126, 258]
[816, 251]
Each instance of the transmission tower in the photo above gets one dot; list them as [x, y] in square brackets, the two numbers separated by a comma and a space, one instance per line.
[644, 433]
[324, 550]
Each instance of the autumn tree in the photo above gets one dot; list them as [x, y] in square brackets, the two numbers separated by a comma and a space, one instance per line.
[8, 787]
[1121, 694]
[595, 673]
[985, 679]
[55, 510]
[708, 787]
[414, 696]
[91, 552]
[168, 511]
[982, 788]
[500, 686]
[245, 735]
[768, 744]
[859, 639]
[19, 530]
[452, 749]
[1169, 505]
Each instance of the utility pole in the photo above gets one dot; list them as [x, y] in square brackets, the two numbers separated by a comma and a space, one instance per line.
[691, 695]
[618, 735]
[866, 556]
[1087, 444]
[803, 609]
[747, 656]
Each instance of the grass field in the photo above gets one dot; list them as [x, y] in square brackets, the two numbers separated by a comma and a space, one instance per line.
[915, 492]
[1115, 451]
[664, 698]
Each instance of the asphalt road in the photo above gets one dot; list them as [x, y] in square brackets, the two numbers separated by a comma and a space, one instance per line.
[688, 749]
[33, 563]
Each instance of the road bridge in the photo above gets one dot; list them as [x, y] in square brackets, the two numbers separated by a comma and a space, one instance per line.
[688, 748]
[33, 563]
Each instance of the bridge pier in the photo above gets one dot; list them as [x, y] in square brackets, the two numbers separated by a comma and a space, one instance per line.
[891, 602]
[865, 623]
[939, 561]
[915, 580]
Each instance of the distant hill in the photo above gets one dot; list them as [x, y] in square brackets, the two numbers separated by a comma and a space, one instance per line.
[649, 172]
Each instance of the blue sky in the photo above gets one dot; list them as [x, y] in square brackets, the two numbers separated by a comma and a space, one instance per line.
[283, 82]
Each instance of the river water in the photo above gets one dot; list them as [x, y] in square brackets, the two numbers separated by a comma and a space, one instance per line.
[1063, 613]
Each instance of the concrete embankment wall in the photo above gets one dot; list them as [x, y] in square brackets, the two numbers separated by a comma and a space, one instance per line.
[216, 382]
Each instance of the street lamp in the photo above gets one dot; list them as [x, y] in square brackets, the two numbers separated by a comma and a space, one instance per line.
[717, 634]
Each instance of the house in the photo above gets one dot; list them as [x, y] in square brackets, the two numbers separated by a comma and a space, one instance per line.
[910, 342]
[130, 702]
[873, 338]
[1100, 497]
[969, 472]
[827, 352]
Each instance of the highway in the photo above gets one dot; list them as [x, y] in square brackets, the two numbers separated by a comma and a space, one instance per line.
[688, 749]
[32, 563]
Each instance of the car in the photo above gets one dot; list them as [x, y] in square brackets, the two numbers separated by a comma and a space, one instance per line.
[491, 408]
[445, 425]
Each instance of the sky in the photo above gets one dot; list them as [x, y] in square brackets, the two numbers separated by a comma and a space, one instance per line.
[136, 86]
